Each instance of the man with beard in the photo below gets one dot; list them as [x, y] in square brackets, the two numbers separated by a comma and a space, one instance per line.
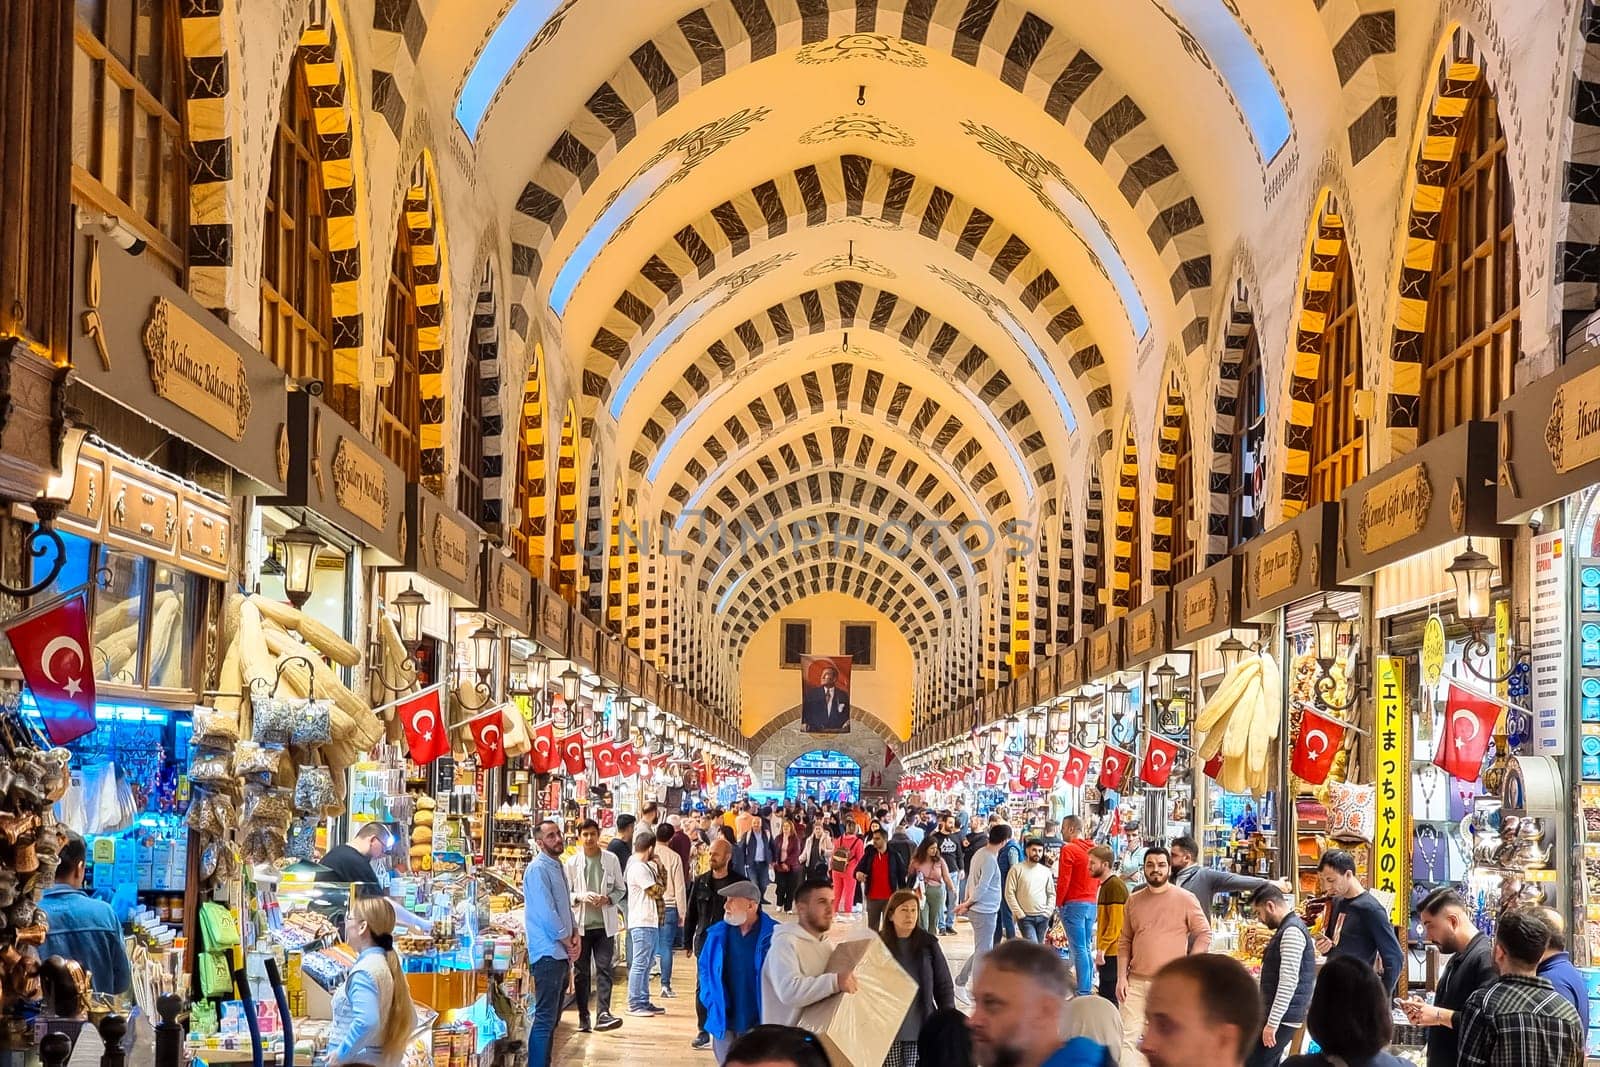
[1110, 909]
[1206, 882]
[1288, 973]
[950, 850]
[1204, 1009]
[795, 975]
[1447, 923]
[1161, 923]
[553, 938]
[1016, 1014]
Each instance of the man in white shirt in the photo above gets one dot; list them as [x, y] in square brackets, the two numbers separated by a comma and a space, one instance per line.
[795, 975]
[1031, 892]
[644, 921]
[674, 906]
[595, 879]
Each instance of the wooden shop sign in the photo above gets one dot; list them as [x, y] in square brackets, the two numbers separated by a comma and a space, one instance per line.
[1438, 492]
[585, 640]
[554, 615]
[1206, 604]
[1069, 669]
[507, 591]
[1550, 436]
[632, 673]
[1290, 562]
[444, 547]
[1144, 631]
[610, 665]
[144, 343]
[1022, 692]
[652, 686]
[1103, 651]
[331, 469]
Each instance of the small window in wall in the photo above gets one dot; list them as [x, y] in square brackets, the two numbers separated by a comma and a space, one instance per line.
[858, 640]
[796, 642]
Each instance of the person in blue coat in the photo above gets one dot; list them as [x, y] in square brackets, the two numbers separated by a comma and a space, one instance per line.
[730, 966]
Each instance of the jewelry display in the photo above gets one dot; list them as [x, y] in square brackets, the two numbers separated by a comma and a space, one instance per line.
[1429, 846]
[1431, 803]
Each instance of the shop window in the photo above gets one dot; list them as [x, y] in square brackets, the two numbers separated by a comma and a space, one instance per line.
[400, 402]
[1473, 336]
[1183, 545]
[469, 476]
[796, 642]
[129, 155]
[146, 615]
[296, 287]
[858, 640]
[1249, 436]
[1336, 439]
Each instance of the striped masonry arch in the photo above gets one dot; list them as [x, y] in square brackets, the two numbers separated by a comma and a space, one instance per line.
[430, 269]
[1316, 293]
[1093, 598]
[210, 141]
[567, 504]
[1125, 536]
[1220, 486]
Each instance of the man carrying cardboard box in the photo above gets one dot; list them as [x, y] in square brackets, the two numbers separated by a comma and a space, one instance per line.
[795, 975]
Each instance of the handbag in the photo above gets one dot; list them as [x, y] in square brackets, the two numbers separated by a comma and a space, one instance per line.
[216, 974]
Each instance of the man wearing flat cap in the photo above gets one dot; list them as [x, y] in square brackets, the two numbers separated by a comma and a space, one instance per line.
[730, 965]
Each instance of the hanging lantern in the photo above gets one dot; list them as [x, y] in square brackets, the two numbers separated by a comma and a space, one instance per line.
[409, 604]
[485, 643]
[1473, 573]
[570, 680]
[300, 546]
[1328, 627]
[1166, 677]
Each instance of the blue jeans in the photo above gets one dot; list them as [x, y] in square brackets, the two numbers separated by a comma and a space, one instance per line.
[1006, 927]
[549, 989]
[951, 899]
[1078, 918]
[1034, 927]
[666, 940]
[641, 950]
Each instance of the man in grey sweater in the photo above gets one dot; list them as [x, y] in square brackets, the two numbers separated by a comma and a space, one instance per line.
[1206, 882]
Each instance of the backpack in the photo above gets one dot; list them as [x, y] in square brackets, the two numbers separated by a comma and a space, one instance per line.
[841, 860]
[658, 891]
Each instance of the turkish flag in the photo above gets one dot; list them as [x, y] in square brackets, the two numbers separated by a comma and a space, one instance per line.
[1468, 723]
[1049, 771]
[991, 774]
[1029, 774]
[422, 719]
[571, 749]
[1213, 766]
[628, 760]
[1113, 766]
[544, 757]
[1157, 766]
[604, 756]
[1319, 741]
[1076, 768]
[52, 644]
[489, 739]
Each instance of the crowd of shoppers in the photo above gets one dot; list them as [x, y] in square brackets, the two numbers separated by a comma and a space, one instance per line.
[702, 881]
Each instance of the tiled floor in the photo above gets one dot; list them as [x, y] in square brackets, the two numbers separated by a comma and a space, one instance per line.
[664, 1040]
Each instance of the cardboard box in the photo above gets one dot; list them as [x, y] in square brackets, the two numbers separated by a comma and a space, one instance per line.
[858, 1028]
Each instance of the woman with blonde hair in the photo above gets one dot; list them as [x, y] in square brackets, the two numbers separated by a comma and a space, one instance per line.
[372, 1013]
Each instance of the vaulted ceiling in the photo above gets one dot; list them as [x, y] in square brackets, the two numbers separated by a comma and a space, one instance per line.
[870, 262]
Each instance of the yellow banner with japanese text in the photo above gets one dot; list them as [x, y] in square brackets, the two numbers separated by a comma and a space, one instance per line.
[1389, 853]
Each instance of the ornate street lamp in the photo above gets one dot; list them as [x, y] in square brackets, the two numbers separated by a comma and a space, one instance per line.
[300, 547]
[1473, 574]
[1330, 630]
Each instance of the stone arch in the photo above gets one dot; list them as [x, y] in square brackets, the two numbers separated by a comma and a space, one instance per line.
[567, 504]
[1093, 598]
[531, 489]
[485, 392]
[324, 50]
[1127, 533]
[1458, 68]
[1361, 34]
[1164, 518]
[1225, 420]
[430, 268]
[1324, 242]
[208, 129]
[792, 716]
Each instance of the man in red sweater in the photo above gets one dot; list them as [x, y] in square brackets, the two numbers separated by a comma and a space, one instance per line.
[1077, 892]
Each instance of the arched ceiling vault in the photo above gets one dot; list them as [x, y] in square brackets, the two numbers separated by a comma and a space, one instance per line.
[866, 262]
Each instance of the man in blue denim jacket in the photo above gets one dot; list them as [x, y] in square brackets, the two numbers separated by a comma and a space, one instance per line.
[83, 928]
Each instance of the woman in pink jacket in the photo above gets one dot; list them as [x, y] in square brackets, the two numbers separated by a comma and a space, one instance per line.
[847, 845]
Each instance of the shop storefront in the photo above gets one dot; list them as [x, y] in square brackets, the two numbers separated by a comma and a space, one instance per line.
[1286, 576]
[1163, 765]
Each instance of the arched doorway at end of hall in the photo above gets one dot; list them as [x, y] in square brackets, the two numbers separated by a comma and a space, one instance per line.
[822, 775]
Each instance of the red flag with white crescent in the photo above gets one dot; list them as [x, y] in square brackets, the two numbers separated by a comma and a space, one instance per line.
[1469, 722]
[422, 719]
[1213, 767]
[488, 737]
[1157, 766]
[1049, 771]
[544, 757]
[1113, 766]
[51, 644]
[1075, 771]
[991, 774]
[1319, 741]
[571, 747]
[604, 757]
[628, 760]
[1029, 774]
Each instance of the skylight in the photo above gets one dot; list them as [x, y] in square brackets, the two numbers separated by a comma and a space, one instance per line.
[1241, 66]
[1041, 365]
[510, 39]
[686, 317]
[1093, 233]
[630, 199]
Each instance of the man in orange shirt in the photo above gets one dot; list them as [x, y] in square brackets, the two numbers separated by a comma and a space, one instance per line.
[1077, 897]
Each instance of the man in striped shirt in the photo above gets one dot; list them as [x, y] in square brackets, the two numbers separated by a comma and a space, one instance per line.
[1288, 972]
[1520, 1019]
